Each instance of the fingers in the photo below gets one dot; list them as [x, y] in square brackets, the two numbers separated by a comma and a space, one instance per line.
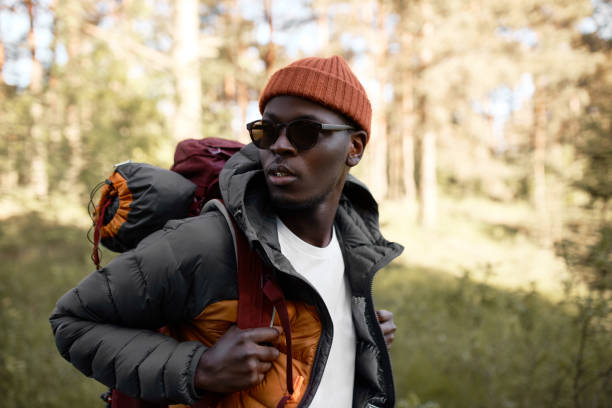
[255, 365]
[264, 367]
[260, 339]
[266, 353]
[388, 327]
[389, 337]
[255, 344]
[384, 315]
[261, 334]
[238, 360]
[385, 319]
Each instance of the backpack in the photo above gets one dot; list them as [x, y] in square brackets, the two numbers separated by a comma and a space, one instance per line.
[138, 199]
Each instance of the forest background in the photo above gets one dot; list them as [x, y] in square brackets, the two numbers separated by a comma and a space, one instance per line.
[490, 152]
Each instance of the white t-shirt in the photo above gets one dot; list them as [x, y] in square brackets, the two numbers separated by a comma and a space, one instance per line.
[323, 268]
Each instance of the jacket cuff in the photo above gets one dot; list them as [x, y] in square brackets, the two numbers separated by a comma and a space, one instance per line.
[192, 372]
[179, 374]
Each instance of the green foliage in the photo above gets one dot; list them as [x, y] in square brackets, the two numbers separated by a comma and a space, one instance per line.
[588, 249]
[462, 343]
[593, 141]
[591, 258]
[118, 119]
[41, 262]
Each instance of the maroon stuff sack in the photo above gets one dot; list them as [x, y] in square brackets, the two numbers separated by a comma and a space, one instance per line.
[201, 161]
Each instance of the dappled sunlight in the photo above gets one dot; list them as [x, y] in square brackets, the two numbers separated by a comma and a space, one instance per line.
[491, 241]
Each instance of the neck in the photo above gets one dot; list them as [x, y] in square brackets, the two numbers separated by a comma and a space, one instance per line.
[312, 225]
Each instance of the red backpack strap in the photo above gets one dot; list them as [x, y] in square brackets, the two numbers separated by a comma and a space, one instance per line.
[275, 295]
[254, 309]
[258, 293]
[120, 400]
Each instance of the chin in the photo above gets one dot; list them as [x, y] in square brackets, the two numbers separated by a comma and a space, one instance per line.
[286, 202]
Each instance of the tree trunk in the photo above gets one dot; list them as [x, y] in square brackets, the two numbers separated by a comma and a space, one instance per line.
[73, 112]
[396, 165]
[185, 64]
[378, 138]
[270, 56]
[229, 85]
[323, 25]
[38, 182]
[428, 183]
[2, 59]
[240, 87]
[74, 138]
[242, 98]
[407, 135]
[539, 196]
[9, 176]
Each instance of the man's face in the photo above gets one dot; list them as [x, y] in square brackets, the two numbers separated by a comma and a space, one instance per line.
[304, 179]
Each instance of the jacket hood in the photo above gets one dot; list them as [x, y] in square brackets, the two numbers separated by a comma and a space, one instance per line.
[244, 192]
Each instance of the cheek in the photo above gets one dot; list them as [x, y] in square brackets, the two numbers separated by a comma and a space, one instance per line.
[329, 165]
[263, 156]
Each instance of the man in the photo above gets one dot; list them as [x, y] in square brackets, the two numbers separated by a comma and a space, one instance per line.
[291, 195]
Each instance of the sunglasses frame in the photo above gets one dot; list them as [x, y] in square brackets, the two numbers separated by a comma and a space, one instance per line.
[278, 126]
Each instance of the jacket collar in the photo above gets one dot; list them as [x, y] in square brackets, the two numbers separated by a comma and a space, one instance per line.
[244, 192]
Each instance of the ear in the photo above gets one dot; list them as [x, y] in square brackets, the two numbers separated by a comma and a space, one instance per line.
[356, 148]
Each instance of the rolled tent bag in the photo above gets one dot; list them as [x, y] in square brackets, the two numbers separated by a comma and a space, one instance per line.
[136, 200]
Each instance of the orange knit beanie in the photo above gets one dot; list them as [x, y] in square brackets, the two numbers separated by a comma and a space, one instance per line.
[327, 81]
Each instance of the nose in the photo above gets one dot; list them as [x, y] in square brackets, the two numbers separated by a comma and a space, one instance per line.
[282, 145]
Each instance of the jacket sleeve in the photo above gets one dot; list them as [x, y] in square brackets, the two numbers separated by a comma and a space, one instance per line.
[106, 325]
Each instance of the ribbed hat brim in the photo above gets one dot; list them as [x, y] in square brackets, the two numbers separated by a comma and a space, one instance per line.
[327, 81]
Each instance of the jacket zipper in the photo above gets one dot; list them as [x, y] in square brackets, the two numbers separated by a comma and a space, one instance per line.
[378, 336]
[310, 386]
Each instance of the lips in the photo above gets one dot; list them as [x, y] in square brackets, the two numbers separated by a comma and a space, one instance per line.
[280, 171]
[280, 175]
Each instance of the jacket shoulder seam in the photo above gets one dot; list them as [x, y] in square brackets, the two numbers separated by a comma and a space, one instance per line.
[144, 280]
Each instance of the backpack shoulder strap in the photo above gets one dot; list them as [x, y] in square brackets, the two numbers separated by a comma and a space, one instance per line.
[259, 296]
[217, 205]
[254, 308]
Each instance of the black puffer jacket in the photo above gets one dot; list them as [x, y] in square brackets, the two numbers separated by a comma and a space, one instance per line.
[105, 326]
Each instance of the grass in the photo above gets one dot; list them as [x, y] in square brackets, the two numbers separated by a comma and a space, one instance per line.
[463, 343]
[41, 261]
[482, 321]
[485, 316]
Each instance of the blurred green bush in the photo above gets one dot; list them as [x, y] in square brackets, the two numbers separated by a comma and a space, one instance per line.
[41, 261]
[459, 343]
[462, 343]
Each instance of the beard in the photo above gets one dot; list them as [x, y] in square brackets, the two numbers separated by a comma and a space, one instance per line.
[286, 201]
[283, 203]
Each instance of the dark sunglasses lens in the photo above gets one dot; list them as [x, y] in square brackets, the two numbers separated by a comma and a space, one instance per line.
[262, 134]
[303, 134]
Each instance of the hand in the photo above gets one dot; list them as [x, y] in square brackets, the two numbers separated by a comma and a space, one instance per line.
[238, 360]
[385, 320]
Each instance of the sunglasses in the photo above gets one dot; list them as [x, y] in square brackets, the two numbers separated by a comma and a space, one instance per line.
[302, 133]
